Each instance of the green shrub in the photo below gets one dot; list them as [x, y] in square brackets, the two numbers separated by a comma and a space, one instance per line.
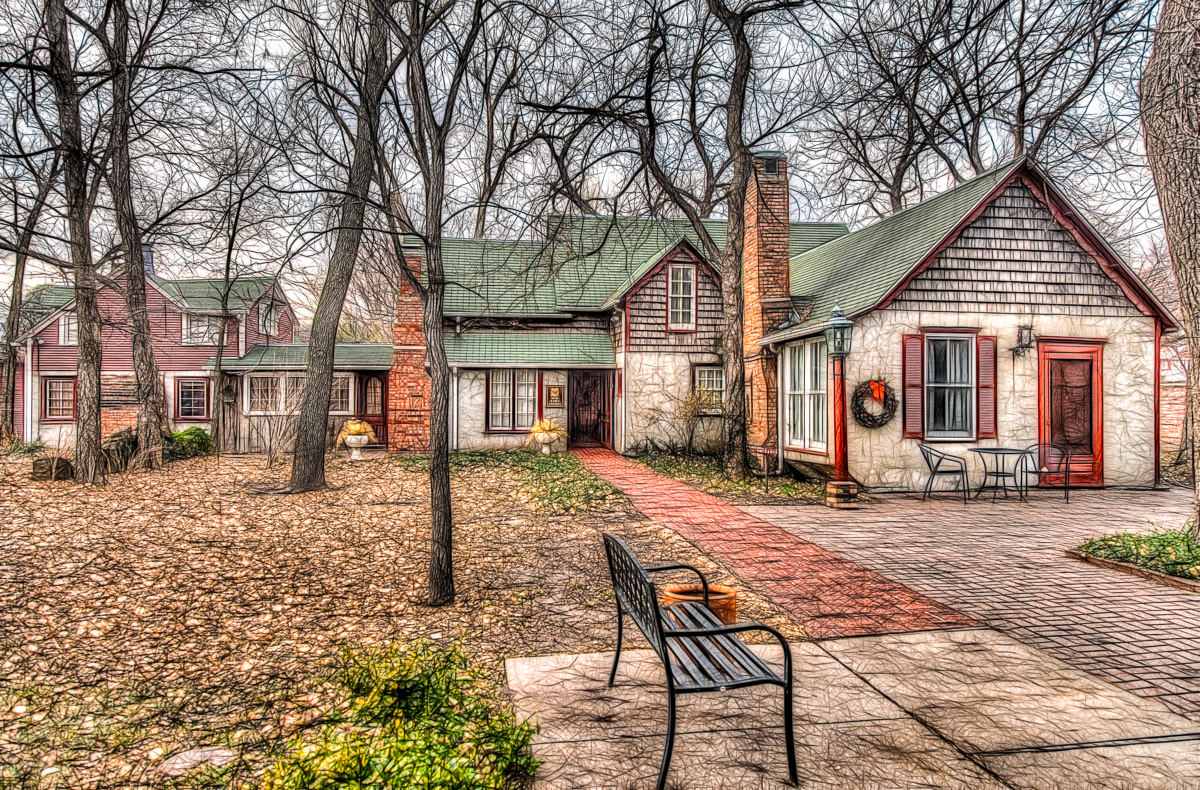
[415, 717]
[1173, 552]
[15, 448]
[187, 444]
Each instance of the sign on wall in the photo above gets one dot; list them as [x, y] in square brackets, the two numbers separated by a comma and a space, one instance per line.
[554, 396]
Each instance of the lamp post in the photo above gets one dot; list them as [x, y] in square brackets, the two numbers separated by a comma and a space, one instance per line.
[841, 491]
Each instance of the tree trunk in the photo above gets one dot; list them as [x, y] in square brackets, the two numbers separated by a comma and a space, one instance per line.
[308, 459]
[152, 418]
[89, 462]
[441, 557]
[1171, 118]
[8, 355]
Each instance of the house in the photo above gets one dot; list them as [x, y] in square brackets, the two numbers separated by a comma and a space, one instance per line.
[993, 313]
[265, 367]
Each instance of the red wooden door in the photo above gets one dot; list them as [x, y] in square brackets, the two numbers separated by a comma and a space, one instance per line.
[590, 416]
[1070, 407]
[372, 403]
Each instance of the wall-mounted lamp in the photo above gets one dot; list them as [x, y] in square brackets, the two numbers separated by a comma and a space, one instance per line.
[1024, 340]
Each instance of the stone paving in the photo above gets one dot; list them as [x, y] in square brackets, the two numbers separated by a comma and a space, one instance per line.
[967, 708]
[1002, 563]
[827, 594]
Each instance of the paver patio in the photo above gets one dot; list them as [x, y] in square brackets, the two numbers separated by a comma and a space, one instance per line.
[1002, 563]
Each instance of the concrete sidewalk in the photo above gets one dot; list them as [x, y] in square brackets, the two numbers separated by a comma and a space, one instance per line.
[968, 708]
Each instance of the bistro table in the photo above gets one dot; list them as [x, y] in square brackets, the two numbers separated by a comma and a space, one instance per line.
[997, 469]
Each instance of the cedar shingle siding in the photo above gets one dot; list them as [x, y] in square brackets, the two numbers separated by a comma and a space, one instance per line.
[1016, 258]
[648, 316]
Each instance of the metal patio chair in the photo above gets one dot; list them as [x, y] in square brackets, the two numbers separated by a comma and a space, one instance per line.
[942, 464]
[1042, 460]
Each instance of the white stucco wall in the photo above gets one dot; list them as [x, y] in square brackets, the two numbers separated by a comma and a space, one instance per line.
[656, 383]
[882, 458]
[472, 413]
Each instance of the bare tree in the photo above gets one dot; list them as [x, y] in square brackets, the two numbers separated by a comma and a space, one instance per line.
[1170, 93]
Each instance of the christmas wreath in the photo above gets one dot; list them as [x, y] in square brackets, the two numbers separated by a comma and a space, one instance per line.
[881, 393]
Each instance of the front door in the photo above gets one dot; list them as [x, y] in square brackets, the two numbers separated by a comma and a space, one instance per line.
[1070, 405]
[372, 402]
[589, 394]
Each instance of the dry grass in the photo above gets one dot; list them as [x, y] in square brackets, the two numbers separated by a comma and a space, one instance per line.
[185, 608]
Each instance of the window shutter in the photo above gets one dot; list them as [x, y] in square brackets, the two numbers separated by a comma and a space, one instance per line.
[914, 386]
[985, 390]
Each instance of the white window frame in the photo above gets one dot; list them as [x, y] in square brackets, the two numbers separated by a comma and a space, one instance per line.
[972, 387]
[349, 379]
[713, 405]
[68, 329]
[269, 314]
[510, 401]
[804, 401]
[275, 377]
[192, 321]
[286, 405]
[180, 382]
[672, 324]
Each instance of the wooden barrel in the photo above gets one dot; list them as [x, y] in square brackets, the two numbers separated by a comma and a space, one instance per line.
[722, 600]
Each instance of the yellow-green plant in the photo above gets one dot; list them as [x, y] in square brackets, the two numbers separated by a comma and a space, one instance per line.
[355, 428]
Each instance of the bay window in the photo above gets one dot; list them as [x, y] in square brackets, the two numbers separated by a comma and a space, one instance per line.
[512, 398]
[805, 395]
[681, 297]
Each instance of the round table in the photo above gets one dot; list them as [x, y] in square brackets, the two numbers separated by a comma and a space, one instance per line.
[996, 469]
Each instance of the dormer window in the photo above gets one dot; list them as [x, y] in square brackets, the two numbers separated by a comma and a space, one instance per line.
[268, 318]
[68, 330]
[201, 330]
[681, 298]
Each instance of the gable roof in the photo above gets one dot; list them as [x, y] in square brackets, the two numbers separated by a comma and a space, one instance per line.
[860, 271]
[582, 264]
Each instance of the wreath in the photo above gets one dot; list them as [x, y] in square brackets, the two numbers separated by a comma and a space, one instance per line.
[880, 392]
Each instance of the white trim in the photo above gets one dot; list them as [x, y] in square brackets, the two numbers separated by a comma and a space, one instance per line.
[281, 376]
[972, 386]
[804, 442]
[185, 325]
[27, 417]
[62, 330]
[691, 325]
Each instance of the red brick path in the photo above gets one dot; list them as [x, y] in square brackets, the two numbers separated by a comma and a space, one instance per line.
[828, 594]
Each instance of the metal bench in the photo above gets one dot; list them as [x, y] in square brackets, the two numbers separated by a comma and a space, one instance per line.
[698, 652]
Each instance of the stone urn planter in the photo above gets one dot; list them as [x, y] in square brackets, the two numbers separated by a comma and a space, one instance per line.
[545, 433]
[544, 439]
[355, 442]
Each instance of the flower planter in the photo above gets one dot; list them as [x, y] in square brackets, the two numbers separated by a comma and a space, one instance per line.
[722, 600]
[356, 442]
[545, 440]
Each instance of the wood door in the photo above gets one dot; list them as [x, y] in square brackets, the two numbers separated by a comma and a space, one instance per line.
[589, 395]
[372, 403]
[1070, 407]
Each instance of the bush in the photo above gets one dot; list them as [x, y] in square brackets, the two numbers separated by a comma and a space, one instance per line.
[15, 448]
[1173, 552]
[187, 444]
[411, 718]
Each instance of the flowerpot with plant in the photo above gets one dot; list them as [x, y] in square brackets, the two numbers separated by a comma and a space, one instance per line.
[545, 433]
[355, 435]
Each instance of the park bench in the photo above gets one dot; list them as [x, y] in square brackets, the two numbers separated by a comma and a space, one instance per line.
[698, 652]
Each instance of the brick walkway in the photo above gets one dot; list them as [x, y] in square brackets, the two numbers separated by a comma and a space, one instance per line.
[1003, 564]
[828, 594]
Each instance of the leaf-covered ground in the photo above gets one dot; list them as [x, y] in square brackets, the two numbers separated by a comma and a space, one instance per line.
[705, 473]
[193, 607]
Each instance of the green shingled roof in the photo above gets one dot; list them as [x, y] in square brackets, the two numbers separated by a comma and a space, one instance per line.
[205, 294]
[294, 356]
[530, 348]
[855, 271]
[586, 261]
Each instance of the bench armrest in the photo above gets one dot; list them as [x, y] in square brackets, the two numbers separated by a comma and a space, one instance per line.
[737, 628]
[675, 566]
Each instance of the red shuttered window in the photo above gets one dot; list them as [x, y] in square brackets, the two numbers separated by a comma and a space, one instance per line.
[949, 386]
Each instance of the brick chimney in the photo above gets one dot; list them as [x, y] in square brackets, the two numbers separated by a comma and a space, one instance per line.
[765, 291]
[408, 381]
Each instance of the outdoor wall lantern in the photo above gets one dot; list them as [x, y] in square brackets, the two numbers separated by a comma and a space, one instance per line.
[1024, 340]
[838, 334]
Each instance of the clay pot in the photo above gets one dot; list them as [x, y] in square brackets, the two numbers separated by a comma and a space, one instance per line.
[722, 600]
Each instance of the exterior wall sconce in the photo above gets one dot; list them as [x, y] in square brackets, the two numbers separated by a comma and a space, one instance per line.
[1025, 340]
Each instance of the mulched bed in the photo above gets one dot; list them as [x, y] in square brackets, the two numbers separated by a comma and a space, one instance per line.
[187, 608]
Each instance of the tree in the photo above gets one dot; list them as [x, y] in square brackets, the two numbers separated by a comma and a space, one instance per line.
[1170, 92]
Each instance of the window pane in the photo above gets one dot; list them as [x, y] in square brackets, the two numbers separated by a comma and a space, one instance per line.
[526, 398]
[374, 396]
[293, 392]
[682, 295]
[193, 398]
[795, 417]
[816, 419]
[949, 361]
[264, 393]
[339, 395]
[816, 372]
[60, 399]
[501, 405]
[69, 330]
[710, 386]
[950, 386]
[795, 368]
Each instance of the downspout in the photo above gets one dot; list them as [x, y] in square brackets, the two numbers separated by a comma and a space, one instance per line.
[454, 410]
[27, 395]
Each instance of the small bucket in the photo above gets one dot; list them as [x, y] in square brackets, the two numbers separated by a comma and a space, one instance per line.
[722, 600]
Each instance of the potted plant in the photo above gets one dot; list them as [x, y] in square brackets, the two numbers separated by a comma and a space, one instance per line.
[546, 433]
[355, 435]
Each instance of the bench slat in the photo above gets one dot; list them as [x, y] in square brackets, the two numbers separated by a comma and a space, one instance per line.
[719, 649]
[717, 660]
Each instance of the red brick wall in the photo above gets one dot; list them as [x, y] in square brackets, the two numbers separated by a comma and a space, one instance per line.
[765, 291]
[408, 383]
[1172, 410]
[116, 418]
